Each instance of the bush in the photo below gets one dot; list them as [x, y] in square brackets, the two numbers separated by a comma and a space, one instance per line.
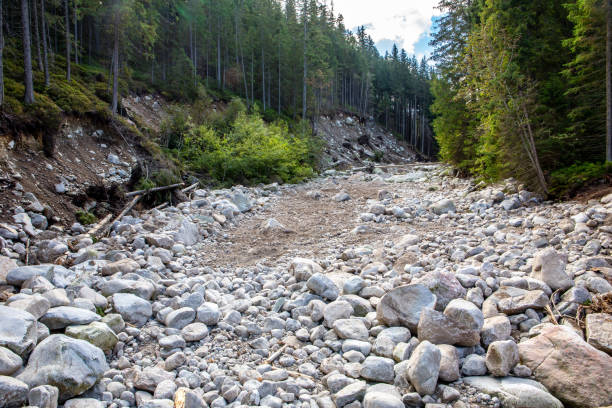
[85, 218]
[160, 178]
[174, 127]
[251, 152]
[567, 181]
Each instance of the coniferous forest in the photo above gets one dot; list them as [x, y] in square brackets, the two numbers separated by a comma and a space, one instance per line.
[514, 88]
[294, 59]
[520, 90]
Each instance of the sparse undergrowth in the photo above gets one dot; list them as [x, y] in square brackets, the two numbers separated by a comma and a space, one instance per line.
[564, 183]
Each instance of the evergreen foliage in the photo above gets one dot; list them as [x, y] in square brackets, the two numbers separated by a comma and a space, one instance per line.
[520, 88]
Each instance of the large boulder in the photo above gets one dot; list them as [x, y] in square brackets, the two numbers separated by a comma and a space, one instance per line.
[9, 361]
[511, 300]
[460, 324]
[143, 288]
[18, 330]
[71, 365]
[132, 308]
[444, 285]
[323, 286]
[188, 233]
[573, 370]
[150, 377]
[97, 333]
[495, 328]
[549, 267]
[402, 306]
[423, 368]
[515, 392]
[63, 316]
[56, 274]
[36, 304]
[437, 328]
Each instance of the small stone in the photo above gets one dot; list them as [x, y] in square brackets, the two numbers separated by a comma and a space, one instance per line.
[474, 365]
[501, 357]
[599, 331]
[44, 396]
[323, 286]
[194, 332]
[352, 392]
[351, 329]
[549, 267]
[13, 392]
[379, 369]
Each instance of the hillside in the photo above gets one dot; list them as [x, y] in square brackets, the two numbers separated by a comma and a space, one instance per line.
[94, 164]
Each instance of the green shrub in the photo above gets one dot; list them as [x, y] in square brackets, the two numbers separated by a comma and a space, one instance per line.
[85, 218]
[251, 152]
[158, 179]
[567, 181]
[174, 127]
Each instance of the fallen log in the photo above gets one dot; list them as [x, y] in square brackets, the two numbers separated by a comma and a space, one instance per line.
[154, 190]
[104, 225]
[96, 228]
[191, 187]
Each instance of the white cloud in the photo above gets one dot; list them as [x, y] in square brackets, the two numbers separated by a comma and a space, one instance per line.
[399, 21]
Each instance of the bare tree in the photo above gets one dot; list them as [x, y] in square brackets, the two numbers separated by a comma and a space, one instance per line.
[1, 51]
[609, 84]
[67, 30]
[27, 54]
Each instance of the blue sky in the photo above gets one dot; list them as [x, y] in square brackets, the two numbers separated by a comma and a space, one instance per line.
[406, 23]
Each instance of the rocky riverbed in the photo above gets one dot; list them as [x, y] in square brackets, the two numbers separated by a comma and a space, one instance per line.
[404, 287]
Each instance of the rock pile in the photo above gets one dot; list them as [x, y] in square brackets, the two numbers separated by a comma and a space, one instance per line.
[470, 301]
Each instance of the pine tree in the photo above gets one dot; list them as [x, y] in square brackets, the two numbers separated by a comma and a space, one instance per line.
[1, 55]
[27, 55]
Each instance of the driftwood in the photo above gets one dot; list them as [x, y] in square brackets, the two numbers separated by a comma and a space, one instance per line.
[191, 187]
[127, 208]
[154, 190]
[101, 228]
[276, 354]
[96, 228]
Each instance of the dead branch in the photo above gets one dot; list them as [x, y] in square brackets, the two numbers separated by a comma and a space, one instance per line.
[154, 190]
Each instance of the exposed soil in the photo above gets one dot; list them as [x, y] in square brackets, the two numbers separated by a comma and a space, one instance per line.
[317, 226]
[81, 158]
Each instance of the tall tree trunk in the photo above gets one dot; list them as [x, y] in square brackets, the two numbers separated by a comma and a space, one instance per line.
[609, 84]
[37, 35]
[44, 41]
[263, 79]
[27, 54]
[219, 51]
[67, 30]
[76, 34]
[1, 51]
[279, 75]
[115, 65]
[304, 85]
